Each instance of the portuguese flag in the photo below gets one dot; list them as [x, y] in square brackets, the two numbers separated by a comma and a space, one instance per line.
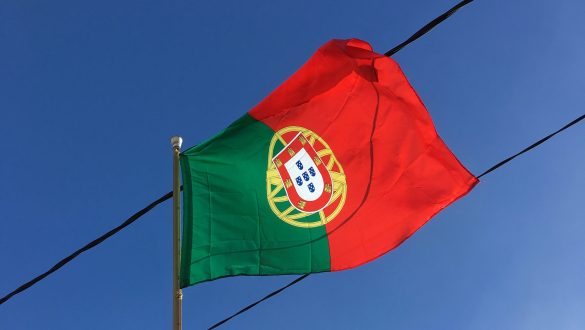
[339, 165]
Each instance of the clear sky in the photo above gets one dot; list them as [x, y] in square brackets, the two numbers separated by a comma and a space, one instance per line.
[92, 91]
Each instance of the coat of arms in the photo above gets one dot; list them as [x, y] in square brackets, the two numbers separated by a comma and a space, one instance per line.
[305, 183]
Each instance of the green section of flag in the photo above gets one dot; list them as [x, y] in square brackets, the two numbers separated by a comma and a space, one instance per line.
[228, 226]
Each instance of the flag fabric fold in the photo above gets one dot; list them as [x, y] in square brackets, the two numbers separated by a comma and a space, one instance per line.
[339, 165]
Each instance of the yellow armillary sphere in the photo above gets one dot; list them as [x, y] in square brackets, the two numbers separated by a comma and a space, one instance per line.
[280, 186]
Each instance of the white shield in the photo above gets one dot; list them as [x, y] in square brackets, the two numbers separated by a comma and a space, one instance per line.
[305, 175]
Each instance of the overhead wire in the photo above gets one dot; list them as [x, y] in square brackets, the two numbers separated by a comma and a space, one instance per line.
[491, 169]
[86, 247]
[428, 27]
[422, 31]
[532, 146]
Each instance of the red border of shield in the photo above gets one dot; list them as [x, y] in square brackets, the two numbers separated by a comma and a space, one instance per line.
[294, 146]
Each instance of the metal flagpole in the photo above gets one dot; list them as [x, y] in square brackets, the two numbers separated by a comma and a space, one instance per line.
[176, 142]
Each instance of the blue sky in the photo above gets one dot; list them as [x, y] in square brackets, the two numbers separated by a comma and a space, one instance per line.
[91, 92]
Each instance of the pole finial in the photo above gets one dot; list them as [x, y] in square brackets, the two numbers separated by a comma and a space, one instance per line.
[176, 142]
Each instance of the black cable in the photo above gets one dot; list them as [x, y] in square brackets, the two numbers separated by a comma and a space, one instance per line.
[422, 31]
[167, 196]
[429, 26]
[532, 146]
[88, 246]
[268, 296]
[503, 162]
[138, 214]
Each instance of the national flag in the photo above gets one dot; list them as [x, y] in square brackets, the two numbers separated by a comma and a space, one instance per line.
[339, 165]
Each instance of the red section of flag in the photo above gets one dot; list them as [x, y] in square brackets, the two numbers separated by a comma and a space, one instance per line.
[399, 173]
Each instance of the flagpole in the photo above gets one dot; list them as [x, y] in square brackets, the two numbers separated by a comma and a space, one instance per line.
[176, 142]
